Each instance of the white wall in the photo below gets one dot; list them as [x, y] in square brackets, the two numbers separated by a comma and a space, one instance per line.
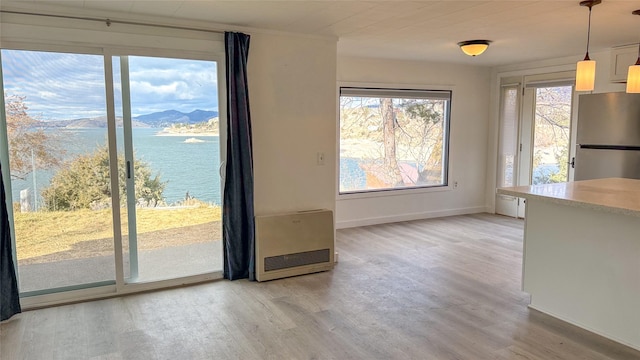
[602, 85]
[292, 92]
[468, 141]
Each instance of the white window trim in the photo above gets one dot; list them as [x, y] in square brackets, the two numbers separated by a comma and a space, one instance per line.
[393, 192]
[400, 191]
[33, 33]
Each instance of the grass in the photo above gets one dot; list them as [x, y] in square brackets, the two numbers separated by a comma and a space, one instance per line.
[48, 232]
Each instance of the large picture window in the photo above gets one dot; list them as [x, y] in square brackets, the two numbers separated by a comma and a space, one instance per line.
[393, 139]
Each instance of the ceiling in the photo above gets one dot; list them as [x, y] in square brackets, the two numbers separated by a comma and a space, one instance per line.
[521, 31]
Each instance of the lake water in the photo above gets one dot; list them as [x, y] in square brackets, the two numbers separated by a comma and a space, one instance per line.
[185, 166]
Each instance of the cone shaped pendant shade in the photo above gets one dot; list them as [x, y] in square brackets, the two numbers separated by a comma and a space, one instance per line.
[586, 69]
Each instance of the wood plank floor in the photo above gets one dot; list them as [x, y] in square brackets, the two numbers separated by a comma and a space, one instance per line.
[432, 289]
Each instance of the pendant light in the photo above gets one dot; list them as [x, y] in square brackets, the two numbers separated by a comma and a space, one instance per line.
[633, 76]
[586, 69]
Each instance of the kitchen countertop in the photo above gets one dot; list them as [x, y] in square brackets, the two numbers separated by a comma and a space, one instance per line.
[614, 195]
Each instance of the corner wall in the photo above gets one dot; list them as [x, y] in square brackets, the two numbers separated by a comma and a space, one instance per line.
[292, 92]
[467, 147]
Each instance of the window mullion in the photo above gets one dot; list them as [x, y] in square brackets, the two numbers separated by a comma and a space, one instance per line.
[113, 168]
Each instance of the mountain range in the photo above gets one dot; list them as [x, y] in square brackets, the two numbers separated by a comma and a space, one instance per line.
[160, 119]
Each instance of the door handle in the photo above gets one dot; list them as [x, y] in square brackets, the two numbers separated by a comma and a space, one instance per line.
[573, 162]
[220, 169]
[128, 169]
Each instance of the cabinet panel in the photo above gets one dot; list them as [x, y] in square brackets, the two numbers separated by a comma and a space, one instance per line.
[621, 58]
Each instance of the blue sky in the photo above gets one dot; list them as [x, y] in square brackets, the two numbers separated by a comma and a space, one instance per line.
[61, 86]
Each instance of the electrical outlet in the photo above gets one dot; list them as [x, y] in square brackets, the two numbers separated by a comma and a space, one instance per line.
[320, 159]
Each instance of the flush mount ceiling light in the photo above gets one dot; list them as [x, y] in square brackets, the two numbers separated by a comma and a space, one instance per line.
[633, 76]
[474, 47]
[586, 69]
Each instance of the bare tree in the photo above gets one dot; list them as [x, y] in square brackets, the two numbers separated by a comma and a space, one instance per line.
[391, 169]
[422, 130]
[30, 147]
[552, 121]
[395, 144]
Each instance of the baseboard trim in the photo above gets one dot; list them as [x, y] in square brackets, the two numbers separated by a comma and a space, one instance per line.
[409, 217]
[587, 328]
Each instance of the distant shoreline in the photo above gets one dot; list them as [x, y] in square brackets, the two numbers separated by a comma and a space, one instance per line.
[186, 134]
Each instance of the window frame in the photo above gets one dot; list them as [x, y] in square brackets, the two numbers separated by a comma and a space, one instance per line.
[447, 185]
[58, 35]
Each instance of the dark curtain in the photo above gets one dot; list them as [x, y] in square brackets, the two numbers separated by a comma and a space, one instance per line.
[9, 298]
[238, 215]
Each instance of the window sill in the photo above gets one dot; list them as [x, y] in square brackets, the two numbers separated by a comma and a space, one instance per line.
[393, 192]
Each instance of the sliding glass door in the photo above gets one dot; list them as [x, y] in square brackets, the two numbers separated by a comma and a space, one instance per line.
[109, 153]
[59, 163]
[170, 142]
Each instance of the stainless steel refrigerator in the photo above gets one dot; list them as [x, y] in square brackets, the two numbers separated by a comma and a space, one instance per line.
[608, 138]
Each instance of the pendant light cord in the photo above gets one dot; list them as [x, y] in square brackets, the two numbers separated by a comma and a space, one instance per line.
[637, 12]
[586, 57]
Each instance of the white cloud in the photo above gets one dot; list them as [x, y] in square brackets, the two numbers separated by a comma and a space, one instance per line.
[48, 95]
[144, 87]
[65, 86]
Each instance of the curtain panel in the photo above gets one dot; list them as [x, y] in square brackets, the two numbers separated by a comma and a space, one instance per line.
[238, 211]
[9, 297]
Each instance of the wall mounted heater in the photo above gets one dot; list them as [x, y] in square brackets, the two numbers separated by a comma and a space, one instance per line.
[294, 244]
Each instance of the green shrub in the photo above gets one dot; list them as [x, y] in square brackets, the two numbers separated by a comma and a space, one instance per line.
[84, 183]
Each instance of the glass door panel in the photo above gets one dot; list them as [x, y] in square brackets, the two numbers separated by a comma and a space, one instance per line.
[59, 164]
[170, 110]
[508, 148]
[552, 127]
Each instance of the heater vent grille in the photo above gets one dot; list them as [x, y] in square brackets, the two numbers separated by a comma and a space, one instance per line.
[297, 259]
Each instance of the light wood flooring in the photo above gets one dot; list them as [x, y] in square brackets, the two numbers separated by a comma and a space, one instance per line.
[432, 289]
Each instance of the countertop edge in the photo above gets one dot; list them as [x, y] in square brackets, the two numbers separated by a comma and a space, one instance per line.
[574, 203]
